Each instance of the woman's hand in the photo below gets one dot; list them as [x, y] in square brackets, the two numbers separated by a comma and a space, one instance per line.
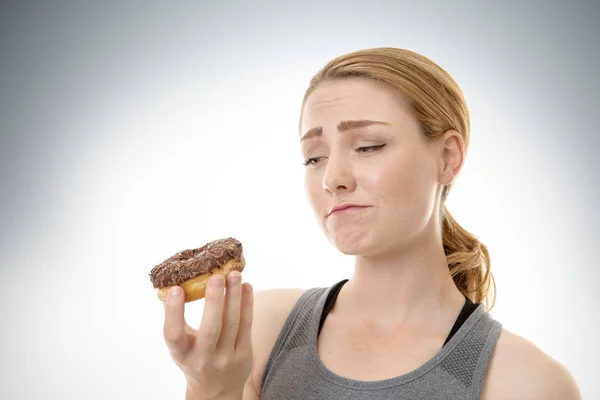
[217, 358]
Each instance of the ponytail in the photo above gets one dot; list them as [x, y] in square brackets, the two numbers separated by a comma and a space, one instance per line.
[468, 262]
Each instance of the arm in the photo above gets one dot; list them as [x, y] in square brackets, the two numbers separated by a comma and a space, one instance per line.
[271, 310]
[520, 370]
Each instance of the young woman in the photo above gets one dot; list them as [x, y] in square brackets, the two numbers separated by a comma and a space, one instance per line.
[384, 133]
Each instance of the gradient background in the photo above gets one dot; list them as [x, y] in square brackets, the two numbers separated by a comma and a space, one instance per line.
[129, 131]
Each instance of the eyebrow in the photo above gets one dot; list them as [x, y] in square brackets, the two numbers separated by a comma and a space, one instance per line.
[342, 127]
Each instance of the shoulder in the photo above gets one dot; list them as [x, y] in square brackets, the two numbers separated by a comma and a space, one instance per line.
[271, 309]
[275, 303]
[520, 370]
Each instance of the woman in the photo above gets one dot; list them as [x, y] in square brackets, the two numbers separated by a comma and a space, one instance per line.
[384, 133]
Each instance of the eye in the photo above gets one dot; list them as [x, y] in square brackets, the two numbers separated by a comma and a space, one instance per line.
[369, 149]
[311, 161]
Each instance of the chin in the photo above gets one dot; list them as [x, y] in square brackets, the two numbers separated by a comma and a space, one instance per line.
[352, 243]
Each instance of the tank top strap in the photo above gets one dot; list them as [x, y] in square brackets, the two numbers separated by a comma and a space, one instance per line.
[295, 332]
[294, 370]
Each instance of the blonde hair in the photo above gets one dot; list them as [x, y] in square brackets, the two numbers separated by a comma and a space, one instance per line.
[438, 104]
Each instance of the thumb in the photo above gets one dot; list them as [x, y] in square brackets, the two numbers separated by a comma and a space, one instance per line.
[174, 326]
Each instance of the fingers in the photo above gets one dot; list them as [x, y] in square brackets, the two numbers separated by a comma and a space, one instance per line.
[212, 321]
[231, 315]
[244, 339]
[173, 330]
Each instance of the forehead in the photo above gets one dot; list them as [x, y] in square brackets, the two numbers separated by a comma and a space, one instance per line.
[353, 99]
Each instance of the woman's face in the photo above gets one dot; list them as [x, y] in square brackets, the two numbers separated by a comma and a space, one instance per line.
[364, 147]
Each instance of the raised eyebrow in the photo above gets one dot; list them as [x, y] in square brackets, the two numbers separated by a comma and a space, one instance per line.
[342, 127]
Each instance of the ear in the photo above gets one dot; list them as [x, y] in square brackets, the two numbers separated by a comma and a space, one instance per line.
[451, 157]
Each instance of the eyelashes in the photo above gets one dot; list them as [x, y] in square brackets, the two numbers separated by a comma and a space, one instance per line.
[310, 161]
[369, 149]
[361, 150]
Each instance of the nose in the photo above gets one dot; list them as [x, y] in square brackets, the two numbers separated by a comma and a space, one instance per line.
[338, 176]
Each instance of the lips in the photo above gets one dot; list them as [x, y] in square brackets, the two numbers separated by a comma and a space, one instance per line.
[346, 209]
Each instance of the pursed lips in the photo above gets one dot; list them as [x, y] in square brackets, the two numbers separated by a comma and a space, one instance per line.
[346, 209]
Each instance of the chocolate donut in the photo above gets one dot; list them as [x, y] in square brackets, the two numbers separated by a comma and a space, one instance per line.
[191, 269]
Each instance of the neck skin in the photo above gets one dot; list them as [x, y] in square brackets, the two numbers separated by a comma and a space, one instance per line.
[409, 286]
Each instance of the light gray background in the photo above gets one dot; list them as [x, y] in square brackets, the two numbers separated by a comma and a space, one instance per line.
[129, 131]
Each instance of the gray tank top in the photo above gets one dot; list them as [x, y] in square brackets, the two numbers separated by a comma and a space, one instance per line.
[295, 371]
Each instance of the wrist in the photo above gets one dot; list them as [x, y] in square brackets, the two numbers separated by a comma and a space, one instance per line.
[192, 393]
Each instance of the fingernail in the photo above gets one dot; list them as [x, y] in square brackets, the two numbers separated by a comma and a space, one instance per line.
[217, 281]
[175, 292]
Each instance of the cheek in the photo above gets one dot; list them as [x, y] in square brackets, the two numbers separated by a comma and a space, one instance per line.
[402, 186]
[312, 186]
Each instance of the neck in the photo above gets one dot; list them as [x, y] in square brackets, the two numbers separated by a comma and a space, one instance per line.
[409, 285]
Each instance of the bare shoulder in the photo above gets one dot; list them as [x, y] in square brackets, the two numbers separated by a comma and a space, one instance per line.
[271, 309]
[520, 370]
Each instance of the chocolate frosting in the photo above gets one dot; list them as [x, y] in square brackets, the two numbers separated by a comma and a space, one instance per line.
[189, 264]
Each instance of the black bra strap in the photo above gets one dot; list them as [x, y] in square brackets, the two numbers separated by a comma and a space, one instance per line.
[330, 301]
[466, 311]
